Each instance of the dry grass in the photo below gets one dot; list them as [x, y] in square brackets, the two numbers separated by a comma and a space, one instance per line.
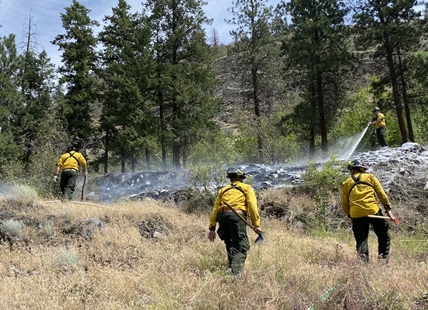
[62, 267]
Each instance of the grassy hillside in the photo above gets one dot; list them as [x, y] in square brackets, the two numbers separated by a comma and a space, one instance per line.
[151, 255]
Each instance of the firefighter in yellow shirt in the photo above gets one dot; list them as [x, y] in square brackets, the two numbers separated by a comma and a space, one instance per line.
[232, 229]
[379, 123]
[69, 163]
[359, 199]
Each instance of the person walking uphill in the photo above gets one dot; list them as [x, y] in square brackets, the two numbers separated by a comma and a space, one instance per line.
[379, 123]
[69, 164]
[359, 201]
[232, 229]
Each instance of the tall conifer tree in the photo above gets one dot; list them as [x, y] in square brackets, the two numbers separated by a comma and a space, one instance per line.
[126, 117]
[255, 50]
[318, 58]
[78, 45]
[394, 29]
[36, 79]
[12, 103]
[185, 78]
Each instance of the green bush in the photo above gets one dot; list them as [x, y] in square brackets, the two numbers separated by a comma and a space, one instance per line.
[324, 182]
[199, 201]
[279, 146]
[204, 182]
[325, 178]
[218, 149]
[207, 177]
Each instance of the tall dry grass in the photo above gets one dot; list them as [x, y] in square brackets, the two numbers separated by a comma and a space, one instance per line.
[178, 268]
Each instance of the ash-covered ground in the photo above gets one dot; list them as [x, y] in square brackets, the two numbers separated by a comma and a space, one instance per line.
[402, 171]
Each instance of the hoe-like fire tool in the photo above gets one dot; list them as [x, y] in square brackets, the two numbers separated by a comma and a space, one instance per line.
[260, 237]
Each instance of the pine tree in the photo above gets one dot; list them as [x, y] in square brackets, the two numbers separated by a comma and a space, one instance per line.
[184, 75]
[36, 79]
[255, 50]
[394, 29]
[126, 59]
[77, 72]
[318, 58]
[12, 103]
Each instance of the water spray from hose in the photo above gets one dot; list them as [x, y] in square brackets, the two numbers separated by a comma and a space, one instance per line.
[349, 148]
[368, 138]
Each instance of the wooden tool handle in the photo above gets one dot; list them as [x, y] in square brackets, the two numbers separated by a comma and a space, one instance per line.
[83, 188]
[379, 217]
[242, 218]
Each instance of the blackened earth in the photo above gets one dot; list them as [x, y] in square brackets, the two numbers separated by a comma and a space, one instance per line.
[401, 170]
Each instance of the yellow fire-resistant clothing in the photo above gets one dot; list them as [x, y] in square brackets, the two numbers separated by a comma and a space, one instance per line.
[71, 160]
[380, 121]
[361, 200]
[239, 196]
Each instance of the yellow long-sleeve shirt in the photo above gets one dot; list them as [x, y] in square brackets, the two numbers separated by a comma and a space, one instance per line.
[240, 198]
[71, 160]
[380, 121]
[361, 200]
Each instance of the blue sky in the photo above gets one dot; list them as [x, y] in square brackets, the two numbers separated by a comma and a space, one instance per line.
[46, 18]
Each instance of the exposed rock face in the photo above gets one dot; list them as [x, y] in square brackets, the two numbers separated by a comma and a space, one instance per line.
[402, 172]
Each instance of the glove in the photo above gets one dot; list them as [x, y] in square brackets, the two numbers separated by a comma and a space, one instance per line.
[211, 235]
[55, 179]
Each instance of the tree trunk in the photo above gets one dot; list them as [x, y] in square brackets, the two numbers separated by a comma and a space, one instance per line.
[106, 153]
[405, 98]
[177, 143]
[148, 161]
[394, 83]
[312, 124]
[185, 156]
[257, 113]
[163, 157]
[321, 114]
[176, 157]
[162, 122]
[123, 162]
[133, 160]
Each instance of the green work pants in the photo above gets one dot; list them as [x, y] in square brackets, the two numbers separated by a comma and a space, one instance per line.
[233, 231]
[361, 226]
[380, 133]
[68, 183]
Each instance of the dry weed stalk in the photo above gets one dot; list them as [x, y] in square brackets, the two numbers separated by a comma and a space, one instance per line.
[118, 268]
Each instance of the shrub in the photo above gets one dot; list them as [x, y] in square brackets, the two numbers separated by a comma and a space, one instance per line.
[12, 227]
[67, 260]
[325, 178]
[324, 182]
[206, 178]
[21, 193]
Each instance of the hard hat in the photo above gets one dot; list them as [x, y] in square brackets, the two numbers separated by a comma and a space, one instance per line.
[234, 172]
[357, 164]
[72, 148]
[375, 109]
